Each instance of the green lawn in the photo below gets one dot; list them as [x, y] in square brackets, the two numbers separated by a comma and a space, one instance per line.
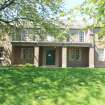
[45, 86]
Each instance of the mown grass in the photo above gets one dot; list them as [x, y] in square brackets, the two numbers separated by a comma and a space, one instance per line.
[46, 86]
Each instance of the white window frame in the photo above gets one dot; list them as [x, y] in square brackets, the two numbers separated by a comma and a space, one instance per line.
[83, 35]
[101, 58]
[72, 51]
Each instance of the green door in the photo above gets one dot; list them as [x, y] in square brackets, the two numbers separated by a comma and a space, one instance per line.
[50, 57]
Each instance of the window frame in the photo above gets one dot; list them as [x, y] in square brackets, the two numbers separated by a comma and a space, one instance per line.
[83, 36]
[73, 51]
[24, 34]
[26, 52]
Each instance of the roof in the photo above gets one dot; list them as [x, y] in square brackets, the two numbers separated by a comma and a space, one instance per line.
[78, 23]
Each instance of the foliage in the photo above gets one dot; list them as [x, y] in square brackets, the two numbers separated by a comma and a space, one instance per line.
[47, 86]
[41, 13]
[95, 10]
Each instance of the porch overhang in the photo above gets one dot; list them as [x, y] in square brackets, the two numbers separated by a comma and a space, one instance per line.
[23, 43]
[57, 44]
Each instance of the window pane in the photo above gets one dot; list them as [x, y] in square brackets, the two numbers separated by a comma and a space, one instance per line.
[81, 36]
[1, 55]
[75, 54]
[101, 54]
[27, 53]
[1, 52]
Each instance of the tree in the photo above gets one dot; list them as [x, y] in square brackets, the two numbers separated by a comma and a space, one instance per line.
[95, 9]
[39, 12]
[13, 10]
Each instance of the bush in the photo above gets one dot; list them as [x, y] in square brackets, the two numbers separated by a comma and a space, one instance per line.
[28, 65]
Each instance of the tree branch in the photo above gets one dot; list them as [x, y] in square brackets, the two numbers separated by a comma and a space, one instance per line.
[6, 4]
[15, 19]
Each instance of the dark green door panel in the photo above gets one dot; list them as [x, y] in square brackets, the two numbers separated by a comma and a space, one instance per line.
[50, 57]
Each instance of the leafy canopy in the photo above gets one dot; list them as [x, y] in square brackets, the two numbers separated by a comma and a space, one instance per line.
[95, 9]
[42, 13]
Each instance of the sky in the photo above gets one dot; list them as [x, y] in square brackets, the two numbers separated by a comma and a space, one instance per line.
[69, 4]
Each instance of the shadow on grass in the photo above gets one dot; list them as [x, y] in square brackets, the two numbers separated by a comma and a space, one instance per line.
[45, 86]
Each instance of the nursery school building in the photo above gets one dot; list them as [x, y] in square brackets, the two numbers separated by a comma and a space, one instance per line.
[82, 48]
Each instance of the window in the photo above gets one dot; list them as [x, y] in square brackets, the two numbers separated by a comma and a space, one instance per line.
[75, 54]
[1, 54]
[71, 37]
[101, 55]
[24, 35]
[81, 36]
[27, 53]
[50, 38]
